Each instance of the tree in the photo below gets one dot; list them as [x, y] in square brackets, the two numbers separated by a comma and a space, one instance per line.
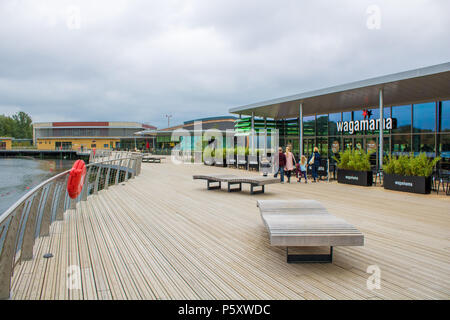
[18, 126]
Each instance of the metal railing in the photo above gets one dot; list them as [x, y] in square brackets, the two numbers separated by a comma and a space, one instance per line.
[31, 216]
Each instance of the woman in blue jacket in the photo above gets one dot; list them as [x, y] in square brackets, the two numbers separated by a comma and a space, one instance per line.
[314, 162]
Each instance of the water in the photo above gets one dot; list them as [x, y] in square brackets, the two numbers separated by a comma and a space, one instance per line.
[19, 175]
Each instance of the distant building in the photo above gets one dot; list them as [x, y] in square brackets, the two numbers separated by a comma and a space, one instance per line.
[89, 135]
[163, 137]
[5, 143]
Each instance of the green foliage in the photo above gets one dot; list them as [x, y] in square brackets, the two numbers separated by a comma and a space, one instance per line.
[18, 126]
[353, 160]
[410, 165]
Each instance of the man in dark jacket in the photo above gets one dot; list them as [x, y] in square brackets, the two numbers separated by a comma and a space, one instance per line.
[281, 164]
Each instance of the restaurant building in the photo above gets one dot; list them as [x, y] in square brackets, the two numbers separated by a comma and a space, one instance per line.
[88, 135]
[411, 108]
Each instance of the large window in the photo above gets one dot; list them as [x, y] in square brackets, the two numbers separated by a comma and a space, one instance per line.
[322, 125]
[444, 116]
[333, 119]
[402, 118]
[424, 143]
[401, 144]
[309, 126]
[322, 145]
[424, 117]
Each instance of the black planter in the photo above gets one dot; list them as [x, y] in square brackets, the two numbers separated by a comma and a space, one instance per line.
[359, 178]
[407, 183]
[221, 164]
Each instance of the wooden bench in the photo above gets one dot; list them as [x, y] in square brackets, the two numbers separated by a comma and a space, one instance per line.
[152, 159]
[233, 180]
[306, 223]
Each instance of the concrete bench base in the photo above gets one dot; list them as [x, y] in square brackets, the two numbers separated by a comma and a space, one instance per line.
[309, 258]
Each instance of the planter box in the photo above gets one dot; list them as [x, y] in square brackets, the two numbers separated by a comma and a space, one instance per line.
[359, 178]
[407, 183]
[208, 162]
[222, 163]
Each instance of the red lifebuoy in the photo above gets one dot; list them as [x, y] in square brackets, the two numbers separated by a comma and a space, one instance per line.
[76, 179]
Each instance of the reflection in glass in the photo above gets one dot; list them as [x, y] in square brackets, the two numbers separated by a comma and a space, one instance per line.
[444, 150]
[348, 144]
[322, 145]
[322, 125]
[402, 119]
[444, 116]
[424, 143]
[309, 126]
[333, 119]
[401, 145]
[424, 117]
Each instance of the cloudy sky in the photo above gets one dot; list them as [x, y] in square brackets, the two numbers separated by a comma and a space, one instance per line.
[140, 60]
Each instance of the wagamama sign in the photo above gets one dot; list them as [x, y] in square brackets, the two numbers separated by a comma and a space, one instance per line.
[365, 124]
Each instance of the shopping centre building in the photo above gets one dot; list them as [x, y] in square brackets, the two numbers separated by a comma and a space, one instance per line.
[165, 140]
[89, 135]
[414, 108]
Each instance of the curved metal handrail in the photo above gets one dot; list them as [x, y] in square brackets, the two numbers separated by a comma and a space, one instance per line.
[31, 216]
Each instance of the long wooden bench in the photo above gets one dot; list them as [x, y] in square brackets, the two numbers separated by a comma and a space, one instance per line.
[152, 159]
[306, 223]
[233, 180]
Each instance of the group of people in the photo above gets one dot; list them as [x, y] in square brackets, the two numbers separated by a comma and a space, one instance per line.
[287, 165]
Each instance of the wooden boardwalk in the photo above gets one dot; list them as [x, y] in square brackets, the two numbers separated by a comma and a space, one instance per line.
[164, 236]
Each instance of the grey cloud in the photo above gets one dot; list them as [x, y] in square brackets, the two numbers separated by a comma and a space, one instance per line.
[139, 60]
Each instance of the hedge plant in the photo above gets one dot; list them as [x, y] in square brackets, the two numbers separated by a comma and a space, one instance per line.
[419, 166]
[356, 160]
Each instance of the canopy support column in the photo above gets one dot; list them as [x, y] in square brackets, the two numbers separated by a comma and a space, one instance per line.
[381, 130]
[253, 134]
[300, 134]
[265, 136]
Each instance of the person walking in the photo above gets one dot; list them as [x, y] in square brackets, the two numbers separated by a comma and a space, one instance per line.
[290, 164]
[281, 164]
[314, 162]
[302, 168]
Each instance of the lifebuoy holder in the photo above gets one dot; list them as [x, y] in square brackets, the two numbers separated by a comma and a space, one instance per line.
[76, 179]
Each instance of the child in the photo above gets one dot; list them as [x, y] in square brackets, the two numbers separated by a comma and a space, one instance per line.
[302, 170]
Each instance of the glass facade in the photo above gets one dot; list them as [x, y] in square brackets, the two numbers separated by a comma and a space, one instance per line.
[424, 117]
[423, 127]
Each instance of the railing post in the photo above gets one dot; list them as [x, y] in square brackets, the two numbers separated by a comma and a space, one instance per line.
[109, 164]
[97, 179]
[7, 253]
[139, 165]
[85, 191]
[47, 215]
[26, 253]
[61, 199]
[133, 168]
[118, 172]
[126, 172]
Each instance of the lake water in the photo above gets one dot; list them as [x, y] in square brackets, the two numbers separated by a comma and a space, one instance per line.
[20, 175]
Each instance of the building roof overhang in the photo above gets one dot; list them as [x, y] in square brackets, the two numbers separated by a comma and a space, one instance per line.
[414, 86]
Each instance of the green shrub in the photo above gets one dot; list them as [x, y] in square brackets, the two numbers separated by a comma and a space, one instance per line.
[354, 160]
[410, 165]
